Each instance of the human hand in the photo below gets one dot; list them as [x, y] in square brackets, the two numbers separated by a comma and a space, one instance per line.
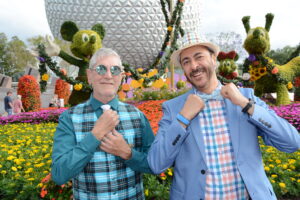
[105, 124]
[231, 92]
[51, 48]
[114, 143]
[193, 105]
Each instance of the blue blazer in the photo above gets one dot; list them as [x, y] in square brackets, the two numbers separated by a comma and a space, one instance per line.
[184, 148]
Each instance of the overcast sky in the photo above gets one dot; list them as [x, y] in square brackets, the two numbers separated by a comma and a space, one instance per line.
[27, 18]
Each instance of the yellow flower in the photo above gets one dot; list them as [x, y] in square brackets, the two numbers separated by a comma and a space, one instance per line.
[146, 192]
[170, 173]
[278, 161]
[78, 86]
[293, 179]
[14, 169]
[140, 69]
[45, 77]
[158, 83]
[267, 168]
[289, 85]
[284, 166]
[292, 161]
[0, 166]
[274, 176]
[282, 185]
[298, 181]
[152, 73]
[170, 28]
[4, 172]
[135, 84]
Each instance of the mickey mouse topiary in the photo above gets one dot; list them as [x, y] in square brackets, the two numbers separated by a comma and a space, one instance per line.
[267, 76]
[227, 67]
[84, 43]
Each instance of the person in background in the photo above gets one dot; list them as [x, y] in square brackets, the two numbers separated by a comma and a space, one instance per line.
[102, 144]
[210, 134]
[17, 105]
[54, 101]
[8, 103]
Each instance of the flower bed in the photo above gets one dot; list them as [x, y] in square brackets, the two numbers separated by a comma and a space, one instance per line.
[289, 112]
[43, 116]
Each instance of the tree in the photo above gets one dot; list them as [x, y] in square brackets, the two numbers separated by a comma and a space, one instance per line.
[3, 44]
[14, 57]
[280, 56]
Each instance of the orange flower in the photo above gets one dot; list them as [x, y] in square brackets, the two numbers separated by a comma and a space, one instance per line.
[47, 178]
[125, 87]
[255, 63]
[122, 95]
[274, 70]
[44, 192]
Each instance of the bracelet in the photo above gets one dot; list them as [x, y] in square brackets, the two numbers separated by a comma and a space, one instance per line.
[182, 119]
[248, 106]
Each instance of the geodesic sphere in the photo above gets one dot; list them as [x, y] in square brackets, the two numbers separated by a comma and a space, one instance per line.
[136, 29]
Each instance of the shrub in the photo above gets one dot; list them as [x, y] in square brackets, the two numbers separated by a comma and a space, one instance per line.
[29, 89]
[62, 89]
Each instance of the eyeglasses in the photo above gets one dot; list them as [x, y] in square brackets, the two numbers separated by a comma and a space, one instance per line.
[114, 70]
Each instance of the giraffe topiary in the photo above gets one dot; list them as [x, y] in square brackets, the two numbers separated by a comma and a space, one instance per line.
[268, 77]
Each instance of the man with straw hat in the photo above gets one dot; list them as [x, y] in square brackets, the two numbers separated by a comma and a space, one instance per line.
[210, 134]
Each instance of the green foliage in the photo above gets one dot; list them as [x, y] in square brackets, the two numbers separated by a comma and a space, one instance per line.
[157, 187]
[258, 42]
[99, 28]
[68, 30]
[14, 56]
[150, 94]
[280, 56]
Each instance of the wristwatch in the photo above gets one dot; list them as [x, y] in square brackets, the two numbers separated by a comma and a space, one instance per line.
[248, 106]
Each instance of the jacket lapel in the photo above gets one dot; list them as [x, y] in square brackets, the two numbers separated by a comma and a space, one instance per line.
[195, 130]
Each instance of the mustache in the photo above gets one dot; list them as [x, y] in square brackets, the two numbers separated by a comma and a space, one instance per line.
[198, 70]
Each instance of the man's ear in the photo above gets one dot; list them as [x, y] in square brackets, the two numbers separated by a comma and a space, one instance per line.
[68, 30]
[88, 74]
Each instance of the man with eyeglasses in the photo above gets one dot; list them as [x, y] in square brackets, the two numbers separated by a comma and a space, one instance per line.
[102, 144]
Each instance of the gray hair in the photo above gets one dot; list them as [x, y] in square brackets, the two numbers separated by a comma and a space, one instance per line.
[101, 53]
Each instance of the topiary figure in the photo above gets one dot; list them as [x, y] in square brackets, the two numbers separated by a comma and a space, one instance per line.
[28, 88]
[84, 43]
[227, 67]
[267, 76]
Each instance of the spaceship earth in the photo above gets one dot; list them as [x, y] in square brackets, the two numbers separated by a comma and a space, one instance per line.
[134, 28]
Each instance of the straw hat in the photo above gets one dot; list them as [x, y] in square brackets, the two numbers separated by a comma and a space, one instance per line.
[191, 39]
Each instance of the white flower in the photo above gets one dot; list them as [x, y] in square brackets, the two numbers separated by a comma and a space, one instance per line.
[246, 76]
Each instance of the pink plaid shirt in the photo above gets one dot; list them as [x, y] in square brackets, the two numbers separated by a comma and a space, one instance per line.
[223, 180]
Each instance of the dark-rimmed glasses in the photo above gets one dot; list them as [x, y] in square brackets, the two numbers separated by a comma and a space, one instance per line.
[114, 70]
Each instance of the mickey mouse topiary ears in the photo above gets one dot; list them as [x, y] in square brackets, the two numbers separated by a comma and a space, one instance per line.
[69, 29]
[230, 55]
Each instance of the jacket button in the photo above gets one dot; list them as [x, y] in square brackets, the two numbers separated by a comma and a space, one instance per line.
[202, 171]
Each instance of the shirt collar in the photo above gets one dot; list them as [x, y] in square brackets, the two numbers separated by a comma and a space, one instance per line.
[96, 104]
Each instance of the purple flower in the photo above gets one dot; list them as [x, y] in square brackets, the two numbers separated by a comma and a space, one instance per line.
[251, 57]
[240, 84]
[161, 54]
[41, 59]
